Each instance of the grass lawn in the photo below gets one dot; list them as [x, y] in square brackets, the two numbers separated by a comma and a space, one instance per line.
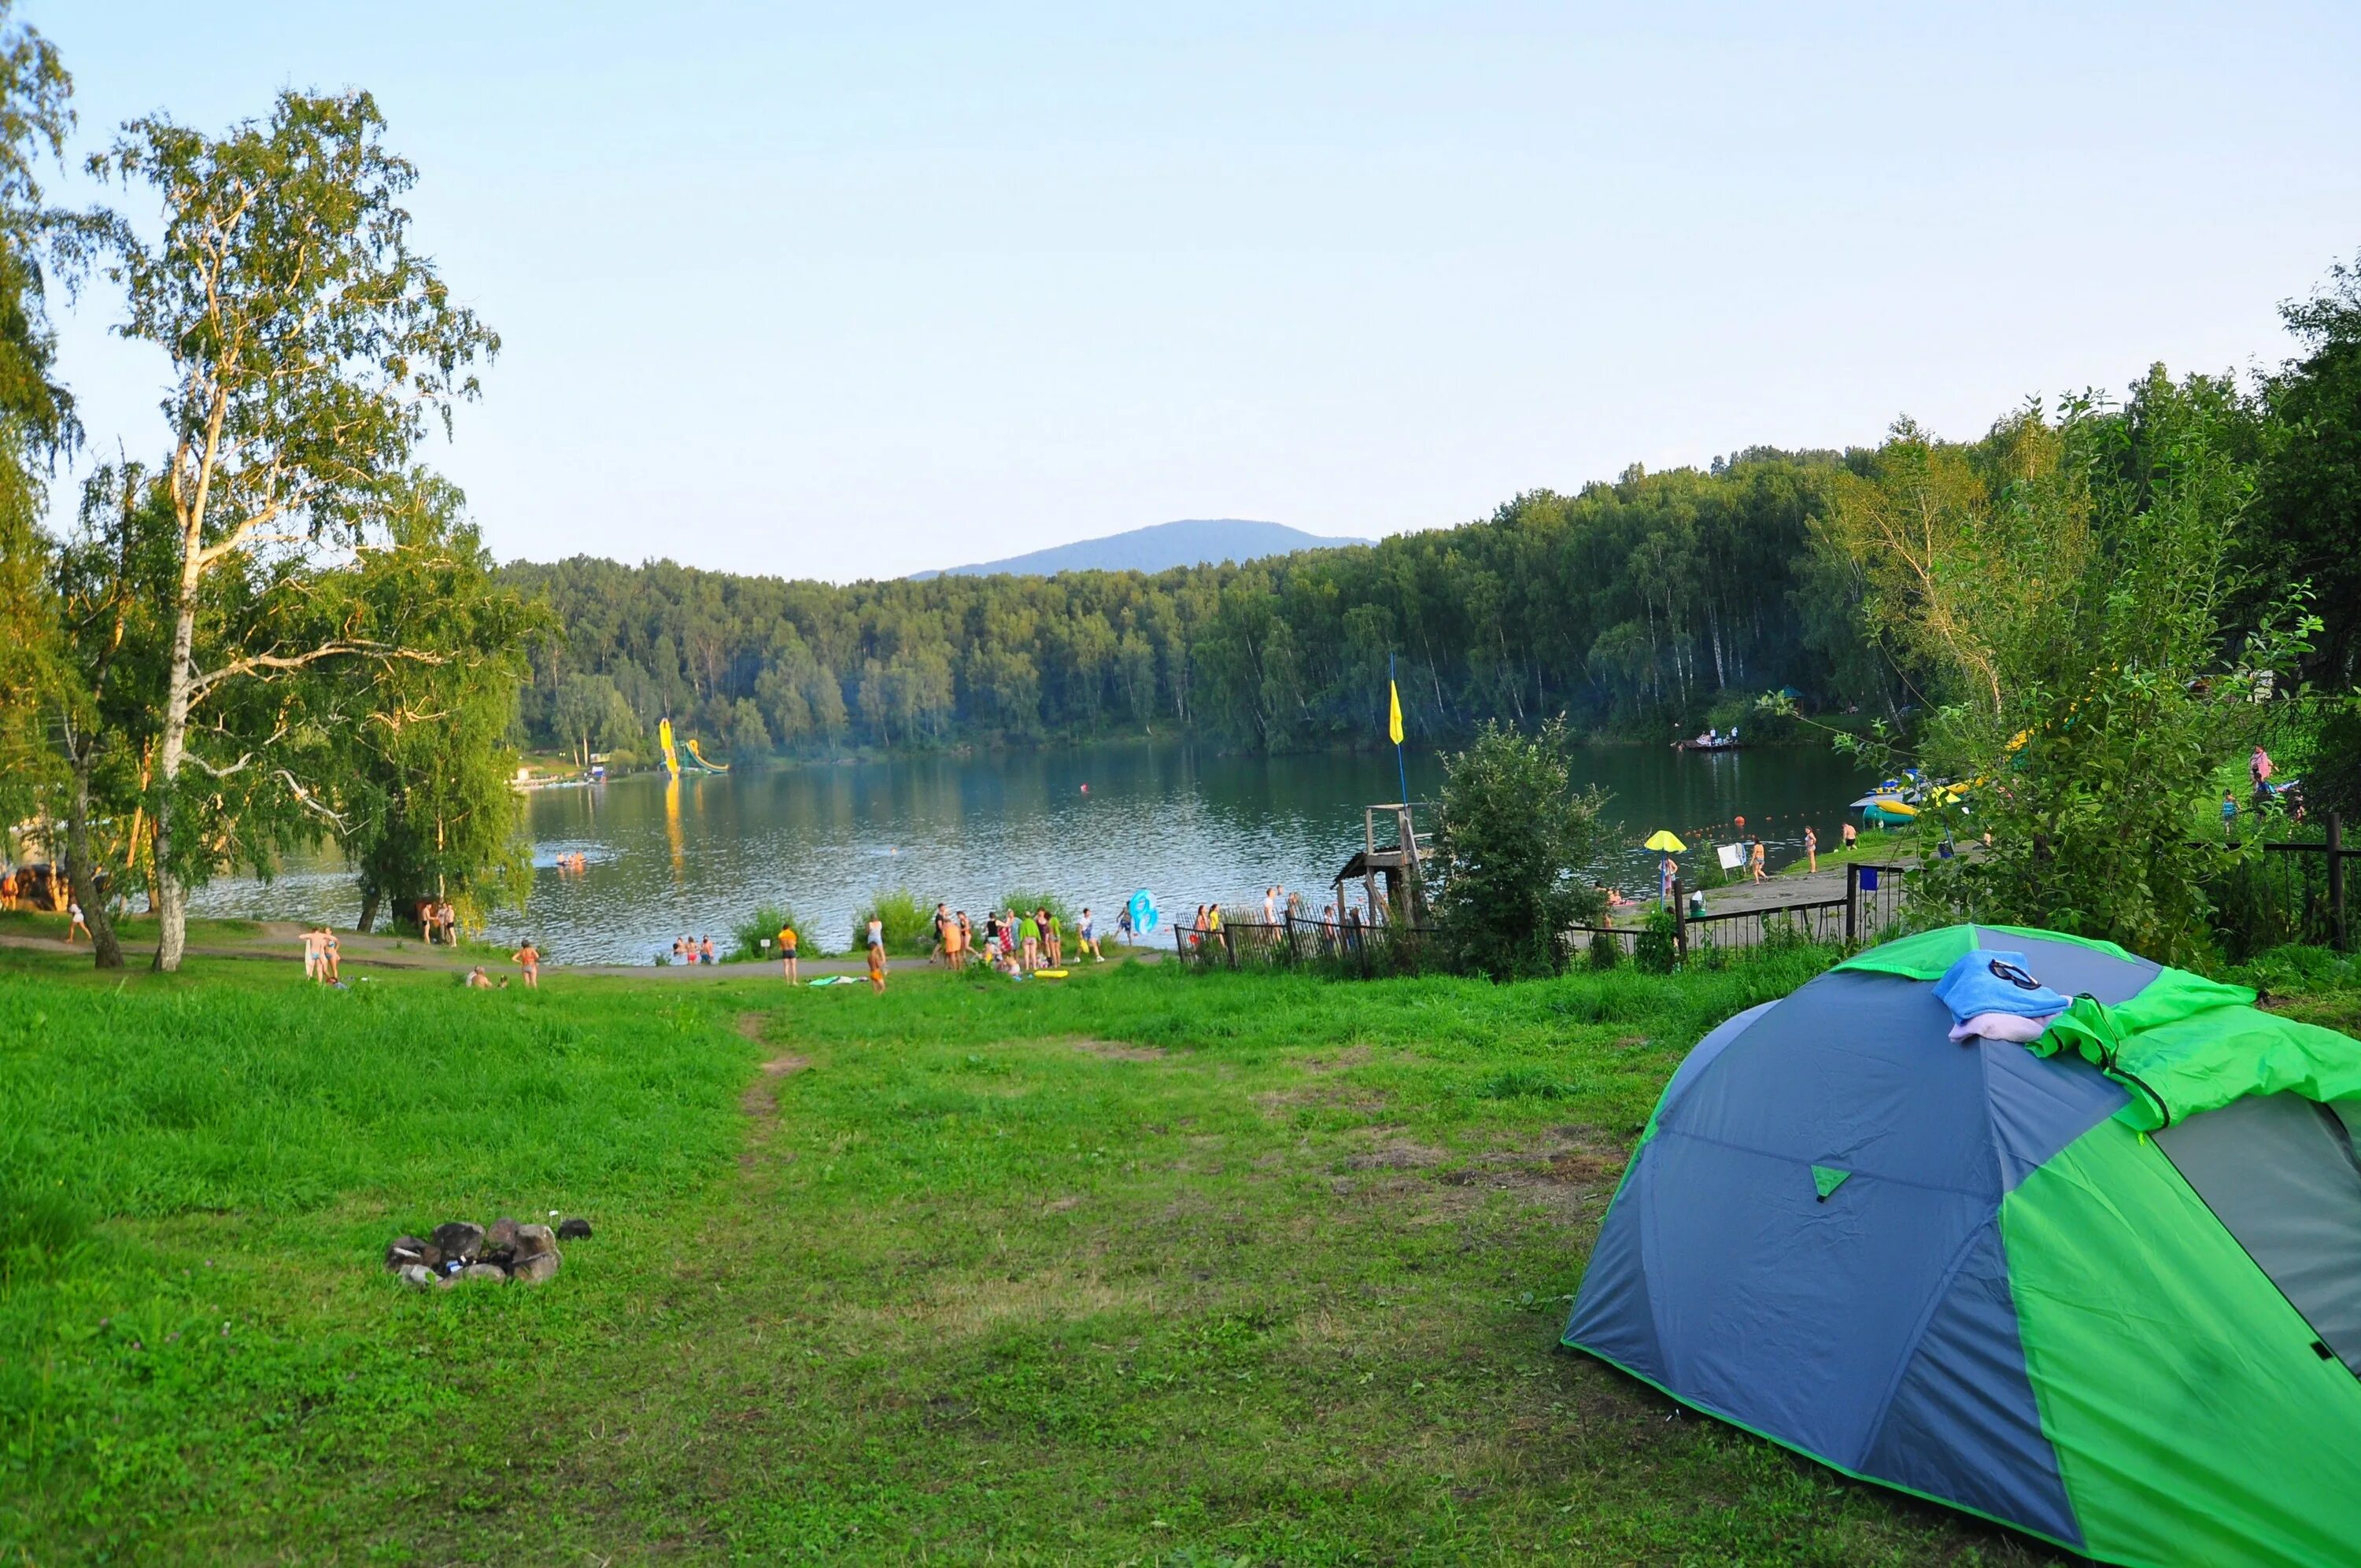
[1144, 1267]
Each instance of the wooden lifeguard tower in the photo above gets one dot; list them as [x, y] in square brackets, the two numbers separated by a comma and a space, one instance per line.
[1400, 864]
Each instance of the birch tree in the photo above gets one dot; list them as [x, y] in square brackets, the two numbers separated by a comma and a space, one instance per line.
[310, 346]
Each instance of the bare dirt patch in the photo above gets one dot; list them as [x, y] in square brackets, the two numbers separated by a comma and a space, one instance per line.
[1115, 1050]
[1350, 1057]
[761, 1098]
[1397, 1154]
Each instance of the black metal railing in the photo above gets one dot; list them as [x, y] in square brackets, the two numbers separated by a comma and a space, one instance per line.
[1326, 947]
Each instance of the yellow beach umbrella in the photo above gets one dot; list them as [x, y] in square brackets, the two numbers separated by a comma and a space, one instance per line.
[1664, 838]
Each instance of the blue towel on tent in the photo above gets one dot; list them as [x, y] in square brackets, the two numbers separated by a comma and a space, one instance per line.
[1995, 982]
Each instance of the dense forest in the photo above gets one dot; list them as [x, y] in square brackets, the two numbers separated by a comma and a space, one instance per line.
[1644, 602]
[1658, 601]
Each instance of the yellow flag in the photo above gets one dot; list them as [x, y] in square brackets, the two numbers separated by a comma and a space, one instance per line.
[1393, 719]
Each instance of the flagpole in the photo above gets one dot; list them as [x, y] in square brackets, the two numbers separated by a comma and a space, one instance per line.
[1402, 768]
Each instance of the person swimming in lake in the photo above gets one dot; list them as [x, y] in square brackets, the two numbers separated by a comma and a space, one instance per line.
[680, 949]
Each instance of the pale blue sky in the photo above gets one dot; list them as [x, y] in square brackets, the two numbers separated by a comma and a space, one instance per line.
[858, 290]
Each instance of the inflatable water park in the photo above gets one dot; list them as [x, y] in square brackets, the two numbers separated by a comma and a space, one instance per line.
[696, 761]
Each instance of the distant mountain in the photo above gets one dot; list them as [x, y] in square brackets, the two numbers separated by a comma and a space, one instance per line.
[1193, 541]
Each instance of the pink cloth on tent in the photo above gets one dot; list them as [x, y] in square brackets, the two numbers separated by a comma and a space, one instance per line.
[2000, 1026]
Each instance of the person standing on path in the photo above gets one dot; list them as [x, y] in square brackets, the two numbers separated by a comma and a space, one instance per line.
[1811, 849]
[331, 955]
[787, 940]
[1852, 835]
[311, 953]
[528, 959]
[74, 922]
[1667, 874]
[1754, 860]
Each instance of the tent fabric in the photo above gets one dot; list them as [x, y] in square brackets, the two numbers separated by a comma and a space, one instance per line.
[2198, 1046]
[1928, 953]
[2193, 1421]
[2279, 1172]
[1963, 1270]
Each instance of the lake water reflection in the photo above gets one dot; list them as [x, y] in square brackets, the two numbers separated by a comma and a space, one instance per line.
[1091, 823]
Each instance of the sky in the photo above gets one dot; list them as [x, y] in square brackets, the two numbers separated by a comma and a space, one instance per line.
[854, 291]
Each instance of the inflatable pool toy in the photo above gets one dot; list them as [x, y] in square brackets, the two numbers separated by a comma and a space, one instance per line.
[1048, 974]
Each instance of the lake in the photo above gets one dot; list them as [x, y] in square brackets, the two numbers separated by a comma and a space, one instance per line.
[1092, 823]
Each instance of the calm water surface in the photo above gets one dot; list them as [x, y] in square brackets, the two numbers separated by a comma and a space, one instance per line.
[700, 855]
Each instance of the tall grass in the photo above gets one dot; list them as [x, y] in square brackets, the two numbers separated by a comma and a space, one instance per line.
[909, 923]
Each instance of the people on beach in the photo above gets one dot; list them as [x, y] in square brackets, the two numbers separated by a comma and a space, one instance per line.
[877, 968]
[1812, 848]
[705, 951]
[876, 935]
[1852, 835]
[331, 955]
[1754, 860]
[478, 979]
[1270, 906]
[311, 953]
[1053, 938]
[680, 950]
[787, 951]
[1086, 938]
[966, 932]
[528, 959]
[1028, 941]
[1668, 873]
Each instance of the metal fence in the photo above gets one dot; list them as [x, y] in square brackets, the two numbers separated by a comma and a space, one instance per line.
[1315, 945]
[2292, 891]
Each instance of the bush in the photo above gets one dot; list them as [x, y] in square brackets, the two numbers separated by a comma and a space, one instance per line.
[1657, 947]
[1514, 835]
[909, 923]
[1606, 949]
[1025, 902]
[763, 924]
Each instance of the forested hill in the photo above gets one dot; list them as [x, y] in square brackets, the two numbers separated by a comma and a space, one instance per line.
[1644, 602]
[1192, 541]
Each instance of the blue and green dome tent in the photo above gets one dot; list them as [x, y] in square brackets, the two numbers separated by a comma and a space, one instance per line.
[2105, 1289]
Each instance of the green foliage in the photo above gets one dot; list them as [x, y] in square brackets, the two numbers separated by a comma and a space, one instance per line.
[308, 348]
[2331, 782]
[1635, 603]
[1025, 901]
[2308, 501]
[763, 926]
[2061, 591]
[1514, 837]
[1606, 949]
[909, 923]
[1656, 949]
